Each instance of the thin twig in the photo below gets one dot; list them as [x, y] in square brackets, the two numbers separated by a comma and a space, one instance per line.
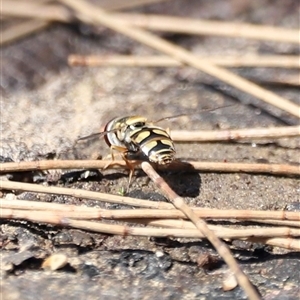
[56, 12]
[20, 186]
[206, 27]
[53, 213]
[235, 134]
[98, 16]
[158, 22]
[275, 169]
[182, 224]
[287, 243]
[201, 225]
[93, 226]
[272, 61]
[54, 217]
[164, 61]
[21, 30]
[117, 5]
[277, 222]
[37, 10]
[190, 166]
[44, 14]
[124, 214]
[288, 80]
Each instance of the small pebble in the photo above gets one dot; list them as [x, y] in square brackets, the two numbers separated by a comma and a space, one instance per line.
[229, 282]
[55, 261]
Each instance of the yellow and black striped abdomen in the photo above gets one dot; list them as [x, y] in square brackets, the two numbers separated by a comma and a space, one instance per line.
[155, 143]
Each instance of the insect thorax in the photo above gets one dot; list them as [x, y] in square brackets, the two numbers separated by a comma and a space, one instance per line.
[120, 131]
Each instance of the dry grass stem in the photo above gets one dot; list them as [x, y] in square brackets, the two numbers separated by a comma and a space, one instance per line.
[98, 16]
[45, 13]
[34, 9]
[164, 222]
[126, 214]
[235, 134]
[211, 28]
[292, 80]
[56, 218]
[191, 166]
[273, 61]
[203, 228]
[21, 30]
[70, 211]
[116, 5]
[277, 222]
[275, 169]
[287, 243]
[157, 22]
[20, 186]
[56, 12]
[148, 231]
[181, 224]
[57, 214]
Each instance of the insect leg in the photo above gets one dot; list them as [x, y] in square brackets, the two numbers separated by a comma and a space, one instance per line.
[131, 168]
[121, 150]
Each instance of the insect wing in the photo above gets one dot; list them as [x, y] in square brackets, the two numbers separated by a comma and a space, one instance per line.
[182, 115]
[99, 134]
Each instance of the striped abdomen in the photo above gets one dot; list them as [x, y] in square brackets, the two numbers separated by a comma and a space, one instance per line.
[155, 143]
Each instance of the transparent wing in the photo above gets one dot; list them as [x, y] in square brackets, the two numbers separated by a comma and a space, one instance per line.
[202, 110]
[93, 135]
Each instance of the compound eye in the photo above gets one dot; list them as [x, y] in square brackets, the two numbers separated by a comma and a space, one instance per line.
[137, 125]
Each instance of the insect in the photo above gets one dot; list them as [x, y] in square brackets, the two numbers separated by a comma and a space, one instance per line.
[135, 135]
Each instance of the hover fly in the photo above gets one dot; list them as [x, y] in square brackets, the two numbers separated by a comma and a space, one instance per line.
[135, 135]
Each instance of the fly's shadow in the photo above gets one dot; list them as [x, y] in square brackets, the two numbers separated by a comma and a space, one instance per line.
[183, 179]
[82, 150]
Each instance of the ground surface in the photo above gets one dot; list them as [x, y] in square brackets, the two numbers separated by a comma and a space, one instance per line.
[46, 105]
